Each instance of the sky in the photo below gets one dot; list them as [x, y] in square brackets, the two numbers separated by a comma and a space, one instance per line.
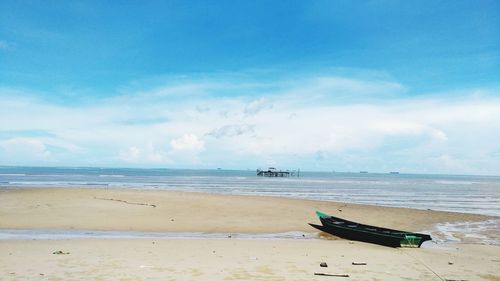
[318, 85]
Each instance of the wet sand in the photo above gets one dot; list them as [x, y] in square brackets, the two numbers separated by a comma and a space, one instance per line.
[165, 211]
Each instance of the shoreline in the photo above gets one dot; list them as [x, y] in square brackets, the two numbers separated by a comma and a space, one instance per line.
[462, 194]
[155, 188]
[177, 211]
[54, 210]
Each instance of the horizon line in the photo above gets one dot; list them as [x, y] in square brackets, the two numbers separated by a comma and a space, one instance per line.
[363, 172]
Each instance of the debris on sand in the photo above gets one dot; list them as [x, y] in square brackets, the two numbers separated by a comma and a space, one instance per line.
[60, 253]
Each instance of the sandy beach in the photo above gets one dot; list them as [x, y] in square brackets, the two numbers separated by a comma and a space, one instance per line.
[219, 259]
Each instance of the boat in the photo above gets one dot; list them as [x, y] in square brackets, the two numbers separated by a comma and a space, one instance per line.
[368, 233]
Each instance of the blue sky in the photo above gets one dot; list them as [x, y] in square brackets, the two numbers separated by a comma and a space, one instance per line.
[321, 85]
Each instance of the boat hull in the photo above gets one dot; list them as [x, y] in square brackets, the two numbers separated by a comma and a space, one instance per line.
[367, 233]
[389, 241]
[335, 220]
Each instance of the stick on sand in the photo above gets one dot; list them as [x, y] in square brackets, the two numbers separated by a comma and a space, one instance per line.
[328, 274]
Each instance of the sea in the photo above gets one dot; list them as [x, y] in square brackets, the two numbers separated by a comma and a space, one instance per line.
[454, 193]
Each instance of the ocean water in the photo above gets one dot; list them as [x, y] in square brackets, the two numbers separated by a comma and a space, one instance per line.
[467, 194]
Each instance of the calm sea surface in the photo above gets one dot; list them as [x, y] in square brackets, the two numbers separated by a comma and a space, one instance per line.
[469, 194]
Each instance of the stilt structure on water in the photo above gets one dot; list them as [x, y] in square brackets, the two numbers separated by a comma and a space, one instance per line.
[273, 172]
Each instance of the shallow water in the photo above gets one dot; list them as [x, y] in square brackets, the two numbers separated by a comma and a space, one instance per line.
[467, 194]
[55, 234]
[478, 232]
[442, 235]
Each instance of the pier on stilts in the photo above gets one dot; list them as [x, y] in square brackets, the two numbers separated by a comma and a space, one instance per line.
[273, 172]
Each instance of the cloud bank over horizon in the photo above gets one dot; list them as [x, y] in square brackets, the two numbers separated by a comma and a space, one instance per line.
[319, 122]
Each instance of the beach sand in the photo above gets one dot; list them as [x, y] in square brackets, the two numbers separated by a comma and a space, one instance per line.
[230, 259]
[225, 258]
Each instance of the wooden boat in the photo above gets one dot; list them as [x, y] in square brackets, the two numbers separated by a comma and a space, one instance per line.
[368, 233]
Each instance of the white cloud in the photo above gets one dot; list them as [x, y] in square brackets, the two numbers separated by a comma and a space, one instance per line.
[450, 162]
[187, 143]
[257, 105]
[342, 89]
[394, 127]
[300, 124]
[232, 130]
[26, 148]
[342, 85]
[147, 154]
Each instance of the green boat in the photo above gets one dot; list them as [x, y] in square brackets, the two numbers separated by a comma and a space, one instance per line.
[368, 233]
